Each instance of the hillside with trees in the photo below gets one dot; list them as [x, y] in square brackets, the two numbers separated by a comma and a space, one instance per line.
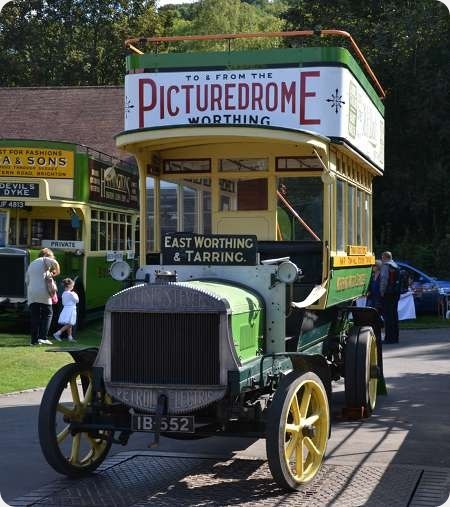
[80, 42]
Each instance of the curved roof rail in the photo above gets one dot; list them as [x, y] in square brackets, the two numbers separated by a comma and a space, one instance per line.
[130, 43]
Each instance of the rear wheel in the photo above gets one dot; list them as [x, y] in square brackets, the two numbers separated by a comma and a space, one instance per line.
[297, 429]
[361, 369]
[67, 399]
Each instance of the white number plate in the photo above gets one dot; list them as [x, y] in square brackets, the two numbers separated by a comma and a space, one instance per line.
[171, 424]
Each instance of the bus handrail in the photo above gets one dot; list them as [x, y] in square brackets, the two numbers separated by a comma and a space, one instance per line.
[130, 43]
[296, 215]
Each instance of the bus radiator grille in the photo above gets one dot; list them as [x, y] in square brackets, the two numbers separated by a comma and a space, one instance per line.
[165, 348]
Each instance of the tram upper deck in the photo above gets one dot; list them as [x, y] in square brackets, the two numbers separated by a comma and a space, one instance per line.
[280, 143]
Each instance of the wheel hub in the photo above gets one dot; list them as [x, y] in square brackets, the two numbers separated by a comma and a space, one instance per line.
[309, 431]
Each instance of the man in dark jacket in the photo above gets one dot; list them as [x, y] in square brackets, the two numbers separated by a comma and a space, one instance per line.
[390, 294]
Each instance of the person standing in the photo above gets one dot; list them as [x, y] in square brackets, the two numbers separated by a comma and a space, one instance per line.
[373, 291]
[68, 316]
[38, 297]
[390, 295]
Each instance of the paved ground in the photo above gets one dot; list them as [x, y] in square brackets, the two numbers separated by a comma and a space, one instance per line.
[401, 456]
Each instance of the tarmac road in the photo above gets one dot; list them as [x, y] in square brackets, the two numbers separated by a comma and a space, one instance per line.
[411, 426]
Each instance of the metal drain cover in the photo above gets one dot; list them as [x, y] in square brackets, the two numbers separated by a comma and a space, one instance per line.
[137, 480]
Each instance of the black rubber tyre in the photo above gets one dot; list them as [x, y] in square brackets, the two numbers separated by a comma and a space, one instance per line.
[301, 431]
[361, 369]
[71, 455]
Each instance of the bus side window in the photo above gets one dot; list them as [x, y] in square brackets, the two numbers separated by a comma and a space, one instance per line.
[66, 231]
[304, 195]
[23, 232]
[42, 229]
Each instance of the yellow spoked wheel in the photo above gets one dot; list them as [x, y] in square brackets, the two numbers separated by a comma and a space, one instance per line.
[67, 399]
[297, 429]
[361, 369]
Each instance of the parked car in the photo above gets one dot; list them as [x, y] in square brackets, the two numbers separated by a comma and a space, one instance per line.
[429, 293]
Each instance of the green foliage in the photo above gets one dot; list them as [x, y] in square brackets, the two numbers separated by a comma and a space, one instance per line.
[226, 16]
[69, 42]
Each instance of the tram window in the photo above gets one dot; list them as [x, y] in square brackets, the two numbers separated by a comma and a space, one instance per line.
[187, 166]
[243, 195]
[23, 231]
[305, 197]
[102, 236]
[298, 163]
[168, 207]
[185, 206]
[249, 164]
[189, 212]
[351, 214]
[207, 212]
[359, 218]
[3, 230]
[42, 229]
[122, 237]
[340, 214]
[94, 236]
[367, 218]
[12, 231]
[150, 183]
[66, 231]
[112, 233]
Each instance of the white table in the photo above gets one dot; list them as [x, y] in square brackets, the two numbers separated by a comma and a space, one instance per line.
[406, 308]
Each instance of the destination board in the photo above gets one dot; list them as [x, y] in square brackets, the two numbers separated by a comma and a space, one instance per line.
[198, 249]
[21, 190]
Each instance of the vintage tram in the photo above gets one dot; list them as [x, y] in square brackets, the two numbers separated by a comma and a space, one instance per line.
[256, 172]
[81, 203]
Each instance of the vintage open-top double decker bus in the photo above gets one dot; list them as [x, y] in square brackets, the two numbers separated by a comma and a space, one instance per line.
[256, 171]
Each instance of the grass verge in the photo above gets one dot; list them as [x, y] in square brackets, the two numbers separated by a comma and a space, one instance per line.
[424, 322]
[25, 367]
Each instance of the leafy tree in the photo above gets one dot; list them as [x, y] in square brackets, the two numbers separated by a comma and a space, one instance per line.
[227, 16]
[69, 42]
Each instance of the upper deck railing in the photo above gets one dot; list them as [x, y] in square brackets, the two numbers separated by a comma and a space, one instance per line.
[132, 42]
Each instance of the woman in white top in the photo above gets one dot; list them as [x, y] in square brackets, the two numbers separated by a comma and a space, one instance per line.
[38, 297]
[68, 315]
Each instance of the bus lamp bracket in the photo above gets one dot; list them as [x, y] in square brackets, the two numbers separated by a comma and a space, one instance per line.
[287, 271]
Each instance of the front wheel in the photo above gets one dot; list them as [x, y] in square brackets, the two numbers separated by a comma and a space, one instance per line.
[297, 429]
[67, 399]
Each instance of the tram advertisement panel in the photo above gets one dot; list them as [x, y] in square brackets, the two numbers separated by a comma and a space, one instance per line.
[326, 100]
[36, 162]
[109, 184]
